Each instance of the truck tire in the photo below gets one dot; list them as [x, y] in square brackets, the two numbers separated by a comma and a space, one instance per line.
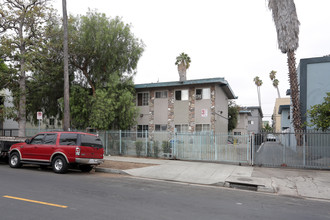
[59, 164]
[14, 160]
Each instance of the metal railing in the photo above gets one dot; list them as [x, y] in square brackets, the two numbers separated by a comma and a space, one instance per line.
[305, 149]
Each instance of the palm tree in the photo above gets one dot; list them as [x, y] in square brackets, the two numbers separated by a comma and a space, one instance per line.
[258, 83]
[275, 84]
[183, 63]
[287, 28]
[272, 76]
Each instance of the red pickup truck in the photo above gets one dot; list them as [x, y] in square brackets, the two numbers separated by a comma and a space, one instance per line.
[60, 150]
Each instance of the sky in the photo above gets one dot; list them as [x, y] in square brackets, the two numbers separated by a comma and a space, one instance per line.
[231, 39]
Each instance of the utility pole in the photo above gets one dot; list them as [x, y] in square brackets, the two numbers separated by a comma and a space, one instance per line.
[66, 124]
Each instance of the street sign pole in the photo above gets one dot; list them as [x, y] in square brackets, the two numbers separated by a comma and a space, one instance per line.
[39, 117]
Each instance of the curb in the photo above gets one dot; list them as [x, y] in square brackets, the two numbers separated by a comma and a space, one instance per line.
[259, 188]
[109, 170]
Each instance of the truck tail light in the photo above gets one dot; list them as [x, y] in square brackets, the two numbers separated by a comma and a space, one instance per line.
[77, 151]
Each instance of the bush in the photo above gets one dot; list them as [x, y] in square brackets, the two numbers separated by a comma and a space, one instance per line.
[138, 145]
[156, 149]
[166, 147]
[149, 149]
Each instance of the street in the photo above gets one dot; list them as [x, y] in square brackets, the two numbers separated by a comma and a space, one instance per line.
[32, 193]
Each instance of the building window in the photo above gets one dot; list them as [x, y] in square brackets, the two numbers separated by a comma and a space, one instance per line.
[52, 121]
[181, 95]
[181, 128]
[161, 94]
[141, 131]
[237, 133]
[250, 122]
[202, 127]
[160, 127]
[203, 94]
[143, 98]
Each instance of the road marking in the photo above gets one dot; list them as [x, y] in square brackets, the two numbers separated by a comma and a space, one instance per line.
[34, 201]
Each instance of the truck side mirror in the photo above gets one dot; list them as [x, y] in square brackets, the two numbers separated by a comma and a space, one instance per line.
[28, 141]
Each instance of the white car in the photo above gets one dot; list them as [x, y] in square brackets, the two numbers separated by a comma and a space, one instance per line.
[271, 137]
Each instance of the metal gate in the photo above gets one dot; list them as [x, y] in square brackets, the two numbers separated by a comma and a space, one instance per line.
[307, 149]
[213, 147]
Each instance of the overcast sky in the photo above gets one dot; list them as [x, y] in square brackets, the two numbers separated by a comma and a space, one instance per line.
[231, 39]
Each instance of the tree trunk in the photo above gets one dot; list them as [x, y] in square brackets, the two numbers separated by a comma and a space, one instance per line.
[278, 92]
[259, 98]
[22, 98]
[295, 97]
[182, 72]
[22, 86]
[66, 118]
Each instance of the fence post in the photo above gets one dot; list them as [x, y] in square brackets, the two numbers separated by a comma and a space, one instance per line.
[105, 143]
[146, 134]
[252, 137]
[283, 159]
[304, 150]
[215, 147]
[120, 142]
[200, 146]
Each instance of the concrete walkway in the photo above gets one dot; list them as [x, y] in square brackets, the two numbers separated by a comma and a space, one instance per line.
[282, 181]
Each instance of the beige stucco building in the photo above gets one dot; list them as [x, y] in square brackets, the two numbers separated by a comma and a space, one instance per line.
[276, 116]
[184, 106]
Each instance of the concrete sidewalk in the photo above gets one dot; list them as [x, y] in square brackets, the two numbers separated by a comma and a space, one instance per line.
[282, 181]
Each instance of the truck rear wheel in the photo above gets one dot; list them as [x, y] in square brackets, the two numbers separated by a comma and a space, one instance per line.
[59, 164]
[14, 160]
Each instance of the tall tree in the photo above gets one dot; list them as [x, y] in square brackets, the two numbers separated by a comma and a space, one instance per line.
[258, 82]
[183, 62]
[21, 28]
[287, 29]
[105, 54]
[272, 76]
[66, 118]
[100, 47]
[233, 112]
[45, 86]
[275, 84]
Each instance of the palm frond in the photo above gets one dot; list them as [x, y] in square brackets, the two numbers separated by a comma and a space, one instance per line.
[286, 23]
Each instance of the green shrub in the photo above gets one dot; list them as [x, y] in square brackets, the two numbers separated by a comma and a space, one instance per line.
[156, 149]
[138, 145]
[166, 147]
[149, 149]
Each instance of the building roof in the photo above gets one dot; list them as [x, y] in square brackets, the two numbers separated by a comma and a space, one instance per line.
[220, 81]
[245, 112]
[256, 107]
[283, 107]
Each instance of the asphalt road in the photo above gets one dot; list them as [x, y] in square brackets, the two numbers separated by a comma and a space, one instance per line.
[77, 195]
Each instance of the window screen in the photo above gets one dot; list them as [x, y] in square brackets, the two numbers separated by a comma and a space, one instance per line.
[143, 98]
[161, 94]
